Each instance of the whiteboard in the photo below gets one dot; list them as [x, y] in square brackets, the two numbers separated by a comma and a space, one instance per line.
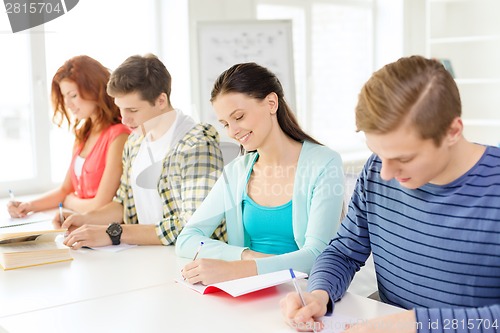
[222, 44]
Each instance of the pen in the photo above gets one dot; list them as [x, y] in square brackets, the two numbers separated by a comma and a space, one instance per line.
[196, 255]
[11, 194]
[198, 251]
[297, 288]
[61, 216]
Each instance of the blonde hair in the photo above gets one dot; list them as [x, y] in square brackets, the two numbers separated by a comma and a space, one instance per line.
[413, 89]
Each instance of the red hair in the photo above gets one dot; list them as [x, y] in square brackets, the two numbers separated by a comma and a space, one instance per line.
[91, 77]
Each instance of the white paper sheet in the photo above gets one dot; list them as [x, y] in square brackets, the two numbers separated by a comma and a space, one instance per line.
[8, 222]
[113, 248]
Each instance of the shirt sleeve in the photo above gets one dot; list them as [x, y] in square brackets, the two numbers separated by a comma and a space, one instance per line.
[187, 178]
[216, 210]
[121, 192]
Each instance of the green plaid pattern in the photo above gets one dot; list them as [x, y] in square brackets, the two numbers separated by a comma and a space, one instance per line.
[190, 169]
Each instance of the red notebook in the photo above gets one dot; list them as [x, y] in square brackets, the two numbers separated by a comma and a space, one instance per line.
[246, 285]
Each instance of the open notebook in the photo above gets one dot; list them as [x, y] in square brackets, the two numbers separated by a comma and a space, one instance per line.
[9, 222]
[246, 285]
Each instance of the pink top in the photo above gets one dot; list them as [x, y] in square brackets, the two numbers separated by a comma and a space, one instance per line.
[87, 184]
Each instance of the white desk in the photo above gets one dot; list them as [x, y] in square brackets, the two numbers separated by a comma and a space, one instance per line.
[92, 274]
[134, 291]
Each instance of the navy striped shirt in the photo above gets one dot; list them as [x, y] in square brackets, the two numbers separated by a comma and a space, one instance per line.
[435, 248]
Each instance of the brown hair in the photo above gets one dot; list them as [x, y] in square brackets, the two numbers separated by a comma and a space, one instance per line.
[146, 75]
[258, 82]
[414, 89]
[91, 78]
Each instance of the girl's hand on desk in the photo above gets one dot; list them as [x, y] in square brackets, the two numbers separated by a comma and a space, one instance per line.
[208, 271]
[88, 235]
[18, 209]
[304, 318]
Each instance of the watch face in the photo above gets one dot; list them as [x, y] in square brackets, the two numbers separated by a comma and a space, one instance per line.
[114, 229]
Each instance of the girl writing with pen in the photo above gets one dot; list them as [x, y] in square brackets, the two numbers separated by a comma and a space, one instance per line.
[79, 98]
[277, 201]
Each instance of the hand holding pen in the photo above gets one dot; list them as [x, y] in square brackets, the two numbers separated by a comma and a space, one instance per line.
[198, 251]
[16, 208]
[300, 309]
[196, 254]
[297, 288]
[61, 215]
[60, 218]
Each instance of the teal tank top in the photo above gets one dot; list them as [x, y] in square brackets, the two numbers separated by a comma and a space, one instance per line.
[269, 228]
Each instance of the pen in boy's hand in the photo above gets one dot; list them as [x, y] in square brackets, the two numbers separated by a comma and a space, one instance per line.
[61, 215]
[299, 291]
[297, 288]
[11, 195]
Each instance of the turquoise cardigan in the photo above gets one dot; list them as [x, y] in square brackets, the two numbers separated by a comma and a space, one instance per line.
[316, 205]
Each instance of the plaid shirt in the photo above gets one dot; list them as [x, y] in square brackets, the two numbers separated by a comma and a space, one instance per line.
[190, 169]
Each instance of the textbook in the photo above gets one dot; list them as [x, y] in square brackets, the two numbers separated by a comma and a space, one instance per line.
[246, 285]
[32, 248]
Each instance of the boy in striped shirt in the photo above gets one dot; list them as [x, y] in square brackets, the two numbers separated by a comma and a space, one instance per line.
[426, 205]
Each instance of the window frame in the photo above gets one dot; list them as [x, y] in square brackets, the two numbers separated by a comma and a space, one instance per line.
[39, 114]
[39, 125]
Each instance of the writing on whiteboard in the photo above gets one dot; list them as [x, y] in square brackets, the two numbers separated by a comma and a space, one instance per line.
[222, 44]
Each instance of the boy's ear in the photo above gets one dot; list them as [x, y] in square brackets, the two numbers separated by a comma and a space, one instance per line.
[455, 131]
[162, 100]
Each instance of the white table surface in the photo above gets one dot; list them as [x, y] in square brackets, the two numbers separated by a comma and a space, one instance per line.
[91, 274]
[173, 308]
[134, 291]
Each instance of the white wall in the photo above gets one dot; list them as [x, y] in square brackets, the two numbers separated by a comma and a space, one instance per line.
[400, 30]
[174, 50]
[414, 26]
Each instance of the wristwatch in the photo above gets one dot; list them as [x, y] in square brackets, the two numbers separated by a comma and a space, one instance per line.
[115, 232]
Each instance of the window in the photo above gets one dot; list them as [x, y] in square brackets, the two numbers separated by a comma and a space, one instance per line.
[15, 108]
[25, 167]
[37, 152]
[104, 36]
[333, 53]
